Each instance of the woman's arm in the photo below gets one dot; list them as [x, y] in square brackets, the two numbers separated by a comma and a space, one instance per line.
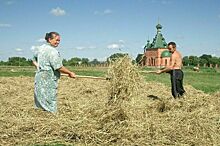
[66, 71]
[35, 64]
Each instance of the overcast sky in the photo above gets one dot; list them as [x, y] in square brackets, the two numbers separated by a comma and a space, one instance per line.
[99, 28]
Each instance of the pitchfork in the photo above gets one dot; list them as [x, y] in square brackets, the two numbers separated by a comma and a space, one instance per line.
[88, 77]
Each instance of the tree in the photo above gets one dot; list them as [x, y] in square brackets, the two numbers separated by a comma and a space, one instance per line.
[85, 61]
[74, 61]
[193, 60]
[3, 63]
[65, 62]
[206, 57]
[186, 61]
[203, 61]
[18, 61]
[214, 60]
[113, 57]
[94, 62]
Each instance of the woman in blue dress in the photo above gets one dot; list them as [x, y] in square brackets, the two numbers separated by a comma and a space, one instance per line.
[49, 65]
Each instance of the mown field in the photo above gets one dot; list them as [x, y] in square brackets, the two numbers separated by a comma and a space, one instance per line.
[84, 117]
[206, 80]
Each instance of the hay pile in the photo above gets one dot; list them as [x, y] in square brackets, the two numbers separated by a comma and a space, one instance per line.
[150, 118]
[124, 84]
[125, 80]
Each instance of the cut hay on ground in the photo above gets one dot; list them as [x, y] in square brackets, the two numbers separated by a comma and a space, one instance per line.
[151, 118]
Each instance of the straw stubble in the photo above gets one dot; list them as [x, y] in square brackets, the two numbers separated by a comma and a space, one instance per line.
[85, 116]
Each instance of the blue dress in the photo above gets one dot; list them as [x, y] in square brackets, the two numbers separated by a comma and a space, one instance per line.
[46, 78]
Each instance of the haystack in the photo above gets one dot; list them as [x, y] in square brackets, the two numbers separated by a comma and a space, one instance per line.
[125, 80]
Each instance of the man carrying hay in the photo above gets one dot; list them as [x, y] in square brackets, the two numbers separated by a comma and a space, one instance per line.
[48, 62]
[176, 74]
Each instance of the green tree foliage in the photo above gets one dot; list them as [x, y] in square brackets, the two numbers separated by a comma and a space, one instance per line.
[204, 59]
[94, 62]
[85, 61]
[3, 63]
[214, 60]
[74, 61]
[65, 62]
[113, 57]
[194, 60]
[80, 61]
[186, 61]
[17, 61]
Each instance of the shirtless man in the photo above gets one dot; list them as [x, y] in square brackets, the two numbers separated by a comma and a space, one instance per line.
[176, 74]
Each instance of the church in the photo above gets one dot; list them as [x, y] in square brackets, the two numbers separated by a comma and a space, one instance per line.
[156, 53]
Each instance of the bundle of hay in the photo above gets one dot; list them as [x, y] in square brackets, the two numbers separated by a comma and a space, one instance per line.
[125, 80]
[124, 83]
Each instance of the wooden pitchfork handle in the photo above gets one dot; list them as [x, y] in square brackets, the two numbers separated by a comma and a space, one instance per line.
[153, 72]
[88, 77]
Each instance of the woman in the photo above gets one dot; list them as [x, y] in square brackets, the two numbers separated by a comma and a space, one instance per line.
[49, 65]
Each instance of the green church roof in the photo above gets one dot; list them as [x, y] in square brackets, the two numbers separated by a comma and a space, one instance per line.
[158, 41]
[159, 26]
[165, 53]
[148, 44]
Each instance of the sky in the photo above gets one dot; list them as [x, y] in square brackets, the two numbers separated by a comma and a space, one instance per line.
[98, 28]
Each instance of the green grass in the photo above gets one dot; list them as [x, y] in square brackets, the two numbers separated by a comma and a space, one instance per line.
[206, 80]
[14, 71]
[11, 71]
[89, 71]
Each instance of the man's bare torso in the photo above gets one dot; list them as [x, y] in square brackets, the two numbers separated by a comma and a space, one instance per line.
[176, 60]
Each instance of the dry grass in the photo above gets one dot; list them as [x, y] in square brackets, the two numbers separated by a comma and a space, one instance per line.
[125, 80]
[83, 118]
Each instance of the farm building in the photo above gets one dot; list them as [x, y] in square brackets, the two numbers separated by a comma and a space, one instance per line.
[156, 54]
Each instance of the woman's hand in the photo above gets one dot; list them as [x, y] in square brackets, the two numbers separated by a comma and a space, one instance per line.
[72, 75]
[67, 72]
